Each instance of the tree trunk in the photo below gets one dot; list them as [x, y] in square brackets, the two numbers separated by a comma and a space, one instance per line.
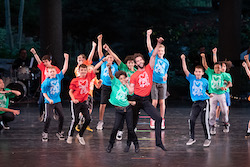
[20, 24]
[8, 24]
[51, 30]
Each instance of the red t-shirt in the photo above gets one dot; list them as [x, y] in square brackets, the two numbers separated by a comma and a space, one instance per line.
[44, 71]
[143, 81]
[80, 86]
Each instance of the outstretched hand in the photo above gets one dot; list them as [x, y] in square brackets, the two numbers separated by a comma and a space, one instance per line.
[160, 40]
[203, 55]
[93, 44]
[244, 64]
[32, 50]
[246, 57]
[183, 56]
[66, 55]
[99, 37]
[149, 31]
[214, 50]
[106, 47]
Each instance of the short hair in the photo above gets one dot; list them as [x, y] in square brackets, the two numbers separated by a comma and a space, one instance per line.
[20, 50]
[129, 58]
[82, 66]
[119, 73]
[199, 67]
[82, 55]
[46, 57]
[229, 65]
[52, 67]
[138, 55]
[217, 63]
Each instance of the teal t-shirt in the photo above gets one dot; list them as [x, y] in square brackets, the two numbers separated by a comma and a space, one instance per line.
[216, 81]
[118, 96]
[124, 67]
[4, 99]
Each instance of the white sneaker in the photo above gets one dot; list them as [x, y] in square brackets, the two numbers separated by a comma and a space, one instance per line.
[213, 130]
[5, 125]
[119, 135]
[135, 129]
[60, 135]
[207, 143]
[80, 139]
[99, 125]
[226, 128]
[45, 137]
[163, 124]
[190, 142]
[69, 139]
[152, 123]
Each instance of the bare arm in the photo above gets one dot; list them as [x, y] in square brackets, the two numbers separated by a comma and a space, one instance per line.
[204, 61]
[15, 112]
[99, 84]
[215, 55]
[131, 88]
[229, 84]
[152, 58]
[92, 52]
[184, 65]
[72, 96]
[107, 48]
[47, 97]
[33, 51]
[110, 73]
[246, 68]
[99, 48]
[149, 45]
[246, 57]
[17, 93]
[66, 62]
[98, 65]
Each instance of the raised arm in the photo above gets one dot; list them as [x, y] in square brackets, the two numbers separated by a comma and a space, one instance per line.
[246, 57]
[215, 55]
[152, 58]
[204, 61]
[131, 88]
[184, 65]
[98, 65]
[244, 64]
[92, 52]
[110, 72]
[107, 48]
[149, 45]
[66, 62]
[99, 48]
[33, 51]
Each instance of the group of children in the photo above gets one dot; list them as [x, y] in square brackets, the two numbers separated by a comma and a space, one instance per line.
[128, 89]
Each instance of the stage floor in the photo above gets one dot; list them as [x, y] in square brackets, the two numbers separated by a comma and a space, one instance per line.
[22, 146]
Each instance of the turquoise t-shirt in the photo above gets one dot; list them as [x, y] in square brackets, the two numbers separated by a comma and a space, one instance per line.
[4, 99]
[105, 72]
[118, 96]
[124, 67]
[216, 81]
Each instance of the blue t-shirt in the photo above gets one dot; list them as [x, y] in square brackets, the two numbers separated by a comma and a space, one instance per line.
[105, 73]
[52, 87]
[160, 68]
[198, 88]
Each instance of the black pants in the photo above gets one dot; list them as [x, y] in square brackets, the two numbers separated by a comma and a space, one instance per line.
[7, 117]
[144, 104]
[75, 111]
[119, 116]
[49, 113]
[197, 108]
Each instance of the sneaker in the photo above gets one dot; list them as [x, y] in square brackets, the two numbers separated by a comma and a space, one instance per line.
[41, 118]
[99, 125]
[207, 143]
[152, 123]
[247, 135]
[137, 149]
[109, 148]
[69, 139]
[163, 124]
[126, 149]
[217, 124]
[5, 125]
[89, 129]
[213, 130]
[60, 135]
[45, 136]
[190, 142]
[77, 128]
[135, 129]
[226, 128]
[119, 135]
[80, 139]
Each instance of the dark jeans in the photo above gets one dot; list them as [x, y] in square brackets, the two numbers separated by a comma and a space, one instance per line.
[7, 117]
[49, 113]
[119, 116]
[75, 111]
[144, 104]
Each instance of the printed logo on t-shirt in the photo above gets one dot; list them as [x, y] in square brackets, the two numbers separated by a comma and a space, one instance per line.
[106, 71]
[2, 101]
[143, 79]
[216, 81]
[83, 85]
[54, 87]
[159, 67]
[121, 95]
[46, 73]
[197, 88]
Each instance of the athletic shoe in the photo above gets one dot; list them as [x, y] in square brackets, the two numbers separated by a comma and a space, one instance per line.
[69, 139]
[80, 139]
[89, 129]
[99, 125]
[247, 134]
[5, 125]
[163, 124]
[152, 123]
[109, 148]
[137, 147]
[135, 129]
[55, 116]
[45, 137]
[162, 147]
[213, 130]
[119, 135]
[60, 135]
[41, 118]
[226, 128]
[207, 143]
[190, 142]
[217, 124]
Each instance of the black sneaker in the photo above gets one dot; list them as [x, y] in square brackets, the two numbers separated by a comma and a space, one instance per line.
[247, 134]
[137, 147]
[5, 125]
[109, 148]
[60, 135]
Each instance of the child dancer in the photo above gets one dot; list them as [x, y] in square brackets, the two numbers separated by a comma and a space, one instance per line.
[51, 89]
[198, 87]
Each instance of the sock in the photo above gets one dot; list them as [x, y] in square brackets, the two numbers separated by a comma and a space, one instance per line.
[217, 119]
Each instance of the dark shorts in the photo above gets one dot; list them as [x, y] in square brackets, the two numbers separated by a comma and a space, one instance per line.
[105, 94]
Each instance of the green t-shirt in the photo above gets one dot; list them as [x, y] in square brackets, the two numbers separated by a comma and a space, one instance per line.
[4, 99]
[124, 67]
[118, 96]
[216, 81]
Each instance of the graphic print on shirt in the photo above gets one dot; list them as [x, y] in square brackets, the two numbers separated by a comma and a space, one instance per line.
[2, 101]
[159, 67]
[83, 86]
[197, 88]
[54, 87]
[121, 94]
[143, 79]
[106, 71]
[215, 82]
[46, 73]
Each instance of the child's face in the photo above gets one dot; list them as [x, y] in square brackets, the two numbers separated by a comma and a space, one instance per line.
[139, 62]
[130, 64]
[223, 67]
[83, 72]
[1, 84]
[110, 59]
[80, 60]
[52, 72]
[123, 79]
[198, 72]
[161, 52]
[47, 63]
[90, 68]
[217, 68]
